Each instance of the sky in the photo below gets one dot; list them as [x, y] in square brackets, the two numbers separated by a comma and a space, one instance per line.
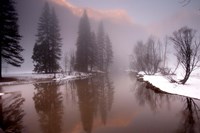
[125, 21]
[141, 11]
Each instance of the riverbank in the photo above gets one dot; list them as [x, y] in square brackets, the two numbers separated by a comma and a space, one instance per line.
[26, 78]
[190, 89]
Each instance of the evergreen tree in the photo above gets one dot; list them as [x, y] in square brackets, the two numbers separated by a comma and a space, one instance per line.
[9, 35]
[66, 60]
[41, 47]
[93, 51]
[72, 61]
[108, 52]
[83, 44]
[47, 49]
[101, 47]
[55, 43]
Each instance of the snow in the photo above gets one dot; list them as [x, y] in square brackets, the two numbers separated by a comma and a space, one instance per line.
[190, 89]
[75, 75]
[28, 75]
[24, 78]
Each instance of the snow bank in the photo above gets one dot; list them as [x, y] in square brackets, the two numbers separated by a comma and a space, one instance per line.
[190, 89]
[75, 75]
[25, 78]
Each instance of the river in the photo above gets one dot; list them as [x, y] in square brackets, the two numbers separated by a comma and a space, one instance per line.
[115, 103]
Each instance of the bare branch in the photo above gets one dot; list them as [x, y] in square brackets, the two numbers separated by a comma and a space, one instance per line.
[185, 2]
[187, 50]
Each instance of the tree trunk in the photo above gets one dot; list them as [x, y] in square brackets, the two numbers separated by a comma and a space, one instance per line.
[0, 65]
[186, 77]
[1, 110]
[1, 69]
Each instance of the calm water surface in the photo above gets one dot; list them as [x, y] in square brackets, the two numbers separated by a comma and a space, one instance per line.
[102, 104]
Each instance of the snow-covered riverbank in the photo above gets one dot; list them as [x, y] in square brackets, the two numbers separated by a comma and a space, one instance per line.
[190, 89]
[24, 78]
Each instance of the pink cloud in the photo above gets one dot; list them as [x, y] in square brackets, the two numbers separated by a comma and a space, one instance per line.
[116, 15]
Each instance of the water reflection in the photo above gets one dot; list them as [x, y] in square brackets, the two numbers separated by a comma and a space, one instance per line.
[95, 96]
[190, 114]
[146, 95]
[48, 104]
[87, 106]
[190, 117]
[72, 93]
[11, 112]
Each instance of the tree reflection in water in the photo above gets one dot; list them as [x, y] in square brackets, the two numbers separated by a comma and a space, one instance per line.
[48, 104]
[95, 96]
[72, 93]
[190, 114]
[190, 117]
[11, 112]
[145, 95]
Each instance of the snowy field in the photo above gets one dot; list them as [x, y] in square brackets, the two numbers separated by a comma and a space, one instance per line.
[190, 89]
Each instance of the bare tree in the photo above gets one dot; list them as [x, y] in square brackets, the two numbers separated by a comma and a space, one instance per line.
[136, 59]
[165, 52]
[146, 57]
[187, 50]
[185, 2]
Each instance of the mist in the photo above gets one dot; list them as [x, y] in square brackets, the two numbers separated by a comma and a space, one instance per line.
[99, 66]
[122, 23]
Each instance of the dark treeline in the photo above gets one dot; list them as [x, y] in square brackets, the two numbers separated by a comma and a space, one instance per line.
[9, 35]
[47, 49]
[94, 52]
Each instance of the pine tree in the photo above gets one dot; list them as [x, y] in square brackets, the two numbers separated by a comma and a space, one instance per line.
[101, 47]
[93, 51]
[55, 44]
[83, 44]
[72, 61]
[41, 47]
[66, 60]
[9, 35]
[47, 49]
[109, 53]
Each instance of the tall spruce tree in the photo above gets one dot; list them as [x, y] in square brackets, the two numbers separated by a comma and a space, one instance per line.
[9, 35]
[72, 61]
[55, 43]
[41, 47]
[93, 52]
[83, 44]
[47, 49]
[104, 49]
[101, 47]
[108, 53]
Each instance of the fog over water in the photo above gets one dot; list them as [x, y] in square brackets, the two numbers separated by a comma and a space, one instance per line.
[126, 22]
